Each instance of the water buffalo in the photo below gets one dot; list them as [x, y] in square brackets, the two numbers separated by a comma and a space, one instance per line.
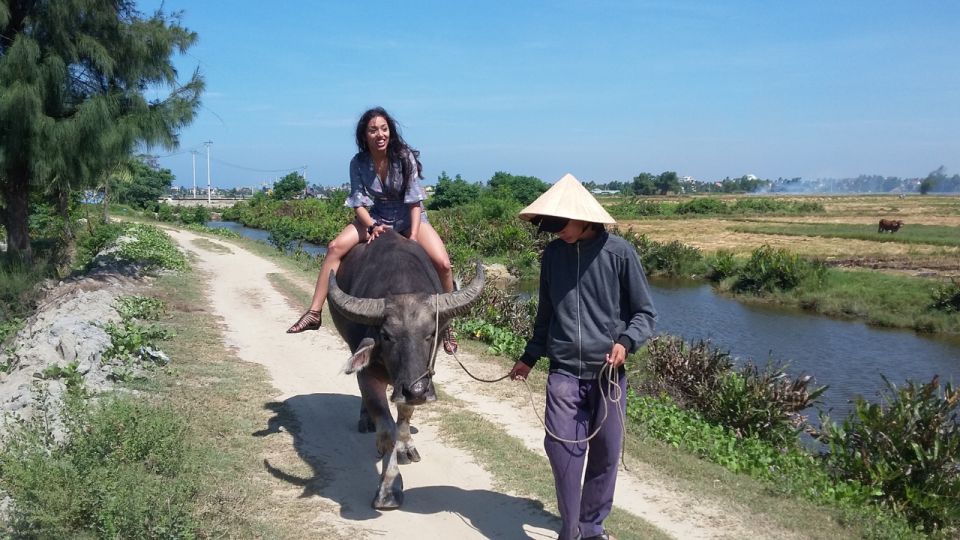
[889, 225]
[387, 303]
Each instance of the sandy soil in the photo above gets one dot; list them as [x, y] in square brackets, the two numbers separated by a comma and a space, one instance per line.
[306, 371]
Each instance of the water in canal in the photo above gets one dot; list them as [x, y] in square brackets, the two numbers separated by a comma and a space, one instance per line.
[849, 356]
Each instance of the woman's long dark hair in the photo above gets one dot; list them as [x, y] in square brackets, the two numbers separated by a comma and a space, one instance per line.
[395, 147]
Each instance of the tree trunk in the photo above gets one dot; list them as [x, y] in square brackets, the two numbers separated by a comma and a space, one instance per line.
[106, 198]
[69, 250]
[16, 196]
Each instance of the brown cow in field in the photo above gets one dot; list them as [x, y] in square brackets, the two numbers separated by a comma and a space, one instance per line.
[889, 225]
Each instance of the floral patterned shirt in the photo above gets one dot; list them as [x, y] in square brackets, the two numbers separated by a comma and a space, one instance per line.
[383, 198]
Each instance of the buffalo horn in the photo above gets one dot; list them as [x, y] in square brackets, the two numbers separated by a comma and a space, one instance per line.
[457, 303]
[367, 311]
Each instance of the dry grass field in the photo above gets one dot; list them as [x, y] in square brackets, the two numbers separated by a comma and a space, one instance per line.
[714, 233]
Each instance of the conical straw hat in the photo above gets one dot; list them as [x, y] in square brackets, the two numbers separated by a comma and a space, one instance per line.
[567, 199]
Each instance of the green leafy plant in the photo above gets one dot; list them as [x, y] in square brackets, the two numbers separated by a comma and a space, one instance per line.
[751, 402]
[703, 205]
[140, 307]
[152, 247]
[946, 297]
[502, 341]
[772, 269]
[906, 449]
[70, 375]
[722, 265]
[674, 259]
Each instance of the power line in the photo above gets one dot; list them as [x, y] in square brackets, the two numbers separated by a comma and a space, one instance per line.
[251, 169]
[195, 148]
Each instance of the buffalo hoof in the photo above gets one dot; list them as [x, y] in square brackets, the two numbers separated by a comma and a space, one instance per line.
[407, 455]
[389, 497]
[366, 425]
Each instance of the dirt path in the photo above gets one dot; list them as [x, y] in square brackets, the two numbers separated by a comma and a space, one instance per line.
[306, 371]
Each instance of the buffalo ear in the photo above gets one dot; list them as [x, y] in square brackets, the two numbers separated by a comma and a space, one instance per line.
[360, 358]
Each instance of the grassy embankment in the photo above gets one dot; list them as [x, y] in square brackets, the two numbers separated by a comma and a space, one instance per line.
[177, 460]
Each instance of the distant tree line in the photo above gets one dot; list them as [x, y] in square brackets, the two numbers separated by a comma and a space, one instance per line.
[668, 182]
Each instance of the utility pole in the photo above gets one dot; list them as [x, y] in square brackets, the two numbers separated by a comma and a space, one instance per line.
[194, 154]
[207, 144]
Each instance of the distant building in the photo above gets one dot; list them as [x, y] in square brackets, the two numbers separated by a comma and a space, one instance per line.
[598, 191]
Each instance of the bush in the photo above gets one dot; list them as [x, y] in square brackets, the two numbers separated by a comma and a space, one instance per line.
[123, 472]
[749, 401]
[282, 235]
[704, 205]
[722, 265]
[198, 214]
[165, 213]
[770, 269]
[637, 208]
[906, 449]
[946, 297]
[152, 247]
[674, 258]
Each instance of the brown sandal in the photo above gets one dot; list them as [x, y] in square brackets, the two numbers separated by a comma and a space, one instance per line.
[311, 320]
[450, 344]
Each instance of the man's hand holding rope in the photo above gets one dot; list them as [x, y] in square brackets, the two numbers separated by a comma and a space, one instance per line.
[519, 371]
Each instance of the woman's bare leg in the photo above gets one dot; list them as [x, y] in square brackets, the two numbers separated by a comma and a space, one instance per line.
[433, 245]
[336, 249]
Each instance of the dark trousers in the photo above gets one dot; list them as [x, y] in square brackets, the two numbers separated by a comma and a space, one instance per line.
[574, 410]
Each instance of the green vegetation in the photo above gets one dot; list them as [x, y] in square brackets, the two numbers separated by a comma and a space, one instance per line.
[946, 297]
[138, 243]
[909, 234]
[905, 450]
[673, 259]
[134, 344]
[310, 220]
[765, 404]
[125, 470]
[216, 231]
[141, 183]
[289, 187]
[188, 215]
[709, 206]
[772, 270]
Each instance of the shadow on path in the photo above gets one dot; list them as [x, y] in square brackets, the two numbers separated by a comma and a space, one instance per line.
[346, 470]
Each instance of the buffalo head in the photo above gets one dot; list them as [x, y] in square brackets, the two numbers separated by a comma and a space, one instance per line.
[403, 334]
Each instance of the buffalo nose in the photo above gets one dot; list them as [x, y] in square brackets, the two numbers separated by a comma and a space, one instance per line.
[417, 393]
[418, 389]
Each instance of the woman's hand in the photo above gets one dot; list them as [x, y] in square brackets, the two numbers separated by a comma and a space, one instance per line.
[375, 231]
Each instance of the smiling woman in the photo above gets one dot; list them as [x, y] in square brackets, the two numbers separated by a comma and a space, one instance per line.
[385, 193]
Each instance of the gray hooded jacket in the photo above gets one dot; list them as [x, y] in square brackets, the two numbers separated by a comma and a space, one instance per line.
[593, 293]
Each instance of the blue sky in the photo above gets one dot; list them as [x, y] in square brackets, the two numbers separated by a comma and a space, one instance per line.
[604, 90]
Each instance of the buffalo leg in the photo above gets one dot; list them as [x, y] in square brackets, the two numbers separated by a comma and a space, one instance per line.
[365, 424]
[390, 491]
[406, 451]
